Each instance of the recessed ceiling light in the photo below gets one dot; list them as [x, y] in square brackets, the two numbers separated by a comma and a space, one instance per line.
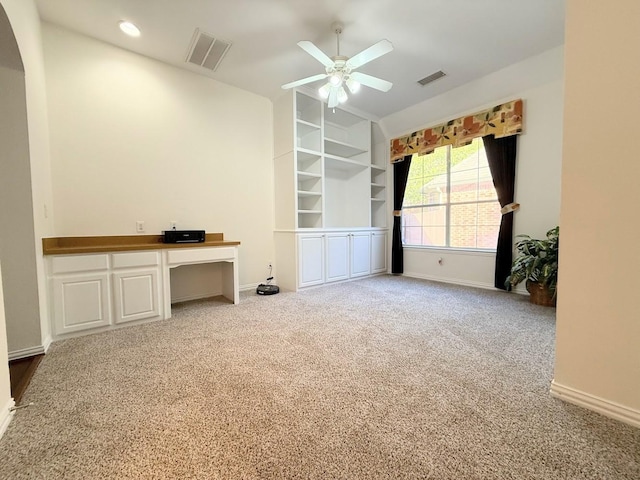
[129, 28]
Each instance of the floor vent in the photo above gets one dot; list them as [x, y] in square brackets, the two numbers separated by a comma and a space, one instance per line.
[206, 50]
[431, 78]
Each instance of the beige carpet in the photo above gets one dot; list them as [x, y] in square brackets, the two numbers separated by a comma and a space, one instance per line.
[385, 377]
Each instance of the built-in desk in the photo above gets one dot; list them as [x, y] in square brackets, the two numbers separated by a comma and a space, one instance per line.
[98, 283]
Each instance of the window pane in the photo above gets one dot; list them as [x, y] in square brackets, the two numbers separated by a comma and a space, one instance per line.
[463, 225]
[463, 236]
[415, 170]
[464, 186]
[434, 163]
[486, 190]
[489, 214]
[434, 216]
[412, 236]
[434, 236]
[413, 193]
[465, 214]
[434, 189]
[488, 236]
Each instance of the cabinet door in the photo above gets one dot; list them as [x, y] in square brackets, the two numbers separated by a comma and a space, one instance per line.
[337, 249]
[310, 260]
[378, 252]
[360, 254]
[136, 295]
[80, 302]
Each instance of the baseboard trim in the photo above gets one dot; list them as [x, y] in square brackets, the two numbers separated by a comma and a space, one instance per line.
[47, 343]
[5, 416]
[597, 404]
[200, 296]
[252, 286]
[454, 281]
[30, 352]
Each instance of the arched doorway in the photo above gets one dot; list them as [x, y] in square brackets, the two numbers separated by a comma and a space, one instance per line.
[17, 237]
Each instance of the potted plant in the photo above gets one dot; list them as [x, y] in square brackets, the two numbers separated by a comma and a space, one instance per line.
[537, 264]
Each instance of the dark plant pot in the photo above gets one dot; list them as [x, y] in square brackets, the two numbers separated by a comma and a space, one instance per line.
[540, 295]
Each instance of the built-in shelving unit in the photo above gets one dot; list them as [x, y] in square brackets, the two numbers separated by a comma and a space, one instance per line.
[378, 192]
[330, 176]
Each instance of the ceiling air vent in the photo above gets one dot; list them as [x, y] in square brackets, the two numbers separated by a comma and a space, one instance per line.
[431, 78]
[206, 50]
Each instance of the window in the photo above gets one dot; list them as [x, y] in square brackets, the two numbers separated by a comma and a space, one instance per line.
[450, 200]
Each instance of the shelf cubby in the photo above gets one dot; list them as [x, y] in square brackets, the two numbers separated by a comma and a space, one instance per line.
[308, 109]
[308, 136]
[309, 219]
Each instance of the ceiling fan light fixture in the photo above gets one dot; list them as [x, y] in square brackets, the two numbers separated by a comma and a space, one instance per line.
[342, 95]
[339, 70]
[352, 85]
[323, 91]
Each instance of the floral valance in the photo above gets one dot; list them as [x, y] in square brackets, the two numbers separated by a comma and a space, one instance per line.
[502, 121]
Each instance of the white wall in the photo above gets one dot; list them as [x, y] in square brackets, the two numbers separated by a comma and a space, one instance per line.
[17, 239]
[538, 81]
[136, 139]
[29, 333]
[6, 402]
[598, 320]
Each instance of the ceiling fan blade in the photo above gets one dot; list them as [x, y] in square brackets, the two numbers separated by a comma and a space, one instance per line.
[333, 98]
[316, 53]
[373, 82]
[374, 51]
[304, 81]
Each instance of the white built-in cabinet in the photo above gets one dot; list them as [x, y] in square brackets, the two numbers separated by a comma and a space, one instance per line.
[360, 253]
[91, 291]
[330, 176]
[99, 291]
[311, 259]
[379, 244]
[136, 286]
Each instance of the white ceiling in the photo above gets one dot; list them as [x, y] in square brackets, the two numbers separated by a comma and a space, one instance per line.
[467, 39]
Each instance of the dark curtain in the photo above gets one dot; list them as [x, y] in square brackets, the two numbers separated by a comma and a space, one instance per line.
[400, 175]
[501, 155]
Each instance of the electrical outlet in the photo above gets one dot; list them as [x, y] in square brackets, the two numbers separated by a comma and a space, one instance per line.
[173, 224]
[269, 265]
[140, 226]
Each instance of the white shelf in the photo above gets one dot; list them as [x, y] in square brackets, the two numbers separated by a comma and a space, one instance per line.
[378, 200]
[309, 175]
[306, 193]
[333, 162]
[306, 127]
[377, 185]
[305, 153]
[377, 167]
[342, 149]
[341, 118]
[310, 212]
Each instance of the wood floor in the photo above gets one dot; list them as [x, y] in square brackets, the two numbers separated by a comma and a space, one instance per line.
[20, 372]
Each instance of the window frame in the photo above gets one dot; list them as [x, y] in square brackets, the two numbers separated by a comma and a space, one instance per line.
[447, 207]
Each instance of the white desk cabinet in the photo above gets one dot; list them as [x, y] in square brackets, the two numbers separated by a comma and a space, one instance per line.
[80, 292]
[99, 291]
[136, 286]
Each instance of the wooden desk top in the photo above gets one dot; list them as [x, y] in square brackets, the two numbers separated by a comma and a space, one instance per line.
[119, 243]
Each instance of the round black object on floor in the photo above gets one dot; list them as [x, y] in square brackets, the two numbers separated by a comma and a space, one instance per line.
[264, 289]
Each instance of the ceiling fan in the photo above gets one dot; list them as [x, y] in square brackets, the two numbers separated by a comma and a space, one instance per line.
[339, 70]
